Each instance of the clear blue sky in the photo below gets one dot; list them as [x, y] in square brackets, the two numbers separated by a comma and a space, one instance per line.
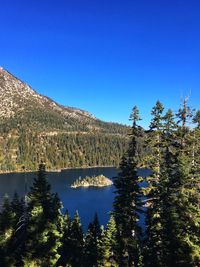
[105, 56]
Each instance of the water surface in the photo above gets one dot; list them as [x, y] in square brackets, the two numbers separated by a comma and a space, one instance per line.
[87, 200]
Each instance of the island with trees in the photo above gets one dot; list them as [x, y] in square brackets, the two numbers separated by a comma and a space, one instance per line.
[95, 181]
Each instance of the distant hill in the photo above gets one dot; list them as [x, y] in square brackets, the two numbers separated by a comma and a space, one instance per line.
[33, 128]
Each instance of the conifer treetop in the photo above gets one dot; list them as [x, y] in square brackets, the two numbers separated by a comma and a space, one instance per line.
[135, 116]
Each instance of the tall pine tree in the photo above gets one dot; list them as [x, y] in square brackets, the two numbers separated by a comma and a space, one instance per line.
[185, 215]
[153, 190]
[44, 224]
[127, 203]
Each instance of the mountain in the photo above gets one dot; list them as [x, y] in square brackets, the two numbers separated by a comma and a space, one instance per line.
[20, 104]
[17, 97]
[33, 127]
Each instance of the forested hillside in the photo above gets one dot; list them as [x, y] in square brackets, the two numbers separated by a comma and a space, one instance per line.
[34, 127]
[60, 150]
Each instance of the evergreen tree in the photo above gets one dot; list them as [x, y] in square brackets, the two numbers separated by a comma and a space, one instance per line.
[65, 248]
[17, 206]
[107, 245]
[76, 241]
[7, 219]
[71, 250]
[169, 146]
[44, 225]
[196, 119]
[196, 149]
[185, 212]
[127, 203]
[176, 238]
[153, 191]
[20, 221]
[91, 252]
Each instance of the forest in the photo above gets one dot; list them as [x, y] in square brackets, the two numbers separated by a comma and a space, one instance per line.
[60, 150]
[34, 231]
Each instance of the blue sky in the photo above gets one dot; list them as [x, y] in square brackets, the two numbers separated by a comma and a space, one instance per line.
[105, 56]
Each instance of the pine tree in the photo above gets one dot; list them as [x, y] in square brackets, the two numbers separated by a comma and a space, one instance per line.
[91, 252]
[185, 197]
[179, 216]
[72, 241]
[169, 147]
[153, 191]
[65, 248]
[127, 203]
[20, 222]
[196, 150]
[107, 245]
[17, 206]
[76, 242]
[196, 119]
[7, 219]
[44, 224]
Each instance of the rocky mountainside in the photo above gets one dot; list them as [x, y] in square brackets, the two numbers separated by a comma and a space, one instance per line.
[16, 96]
[20, 104]
[33, 128]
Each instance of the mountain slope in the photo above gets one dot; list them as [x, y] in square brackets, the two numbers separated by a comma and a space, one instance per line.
[20, 104]
[34, 128]
[16, 96]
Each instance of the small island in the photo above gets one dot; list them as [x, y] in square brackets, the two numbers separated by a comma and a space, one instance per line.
[95, 181]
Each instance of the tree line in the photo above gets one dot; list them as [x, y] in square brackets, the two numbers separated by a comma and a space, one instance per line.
[62, 140]
[34, 232]
[61, 150]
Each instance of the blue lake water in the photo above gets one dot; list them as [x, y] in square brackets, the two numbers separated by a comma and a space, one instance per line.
[86, 200]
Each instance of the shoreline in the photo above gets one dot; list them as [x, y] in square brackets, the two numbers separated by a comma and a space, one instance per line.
[55, 170]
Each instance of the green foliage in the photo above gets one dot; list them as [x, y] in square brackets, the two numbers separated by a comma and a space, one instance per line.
[127, 203]
[44, 224]
[107, 245]
[41, 129]
[71, 250]
[173, 225]
[91, 251]
[183, 210]
[154, 162]
[59, 150]
[196, 119]
[7, 219]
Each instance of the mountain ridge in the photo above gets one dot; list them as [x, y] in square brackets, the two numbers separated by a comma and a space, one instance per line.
[28, 89]
[18, 98]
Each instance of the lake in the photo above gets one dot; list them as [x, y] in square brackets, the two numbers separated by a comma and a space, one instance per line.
[86, 200]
